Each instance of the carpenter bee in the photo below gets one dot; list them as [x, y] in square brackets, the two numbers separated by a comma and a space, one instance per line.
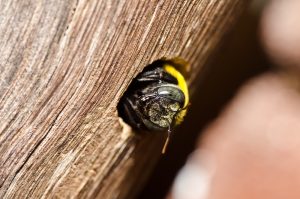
[157, 98]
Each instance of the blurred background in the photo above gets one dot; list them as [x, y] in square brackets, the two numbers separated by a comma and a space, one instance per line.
[240, 58]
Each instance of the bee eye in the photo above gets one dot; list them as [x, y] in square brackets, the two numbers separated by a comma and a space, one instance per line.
[172, 93]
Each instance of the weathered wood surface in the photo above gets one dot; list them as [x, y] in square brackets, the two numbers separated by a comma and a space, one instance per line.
[64, 66]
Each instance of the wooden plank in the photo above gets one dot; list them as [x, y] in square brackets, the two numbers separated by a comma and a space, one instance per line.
[63, 68]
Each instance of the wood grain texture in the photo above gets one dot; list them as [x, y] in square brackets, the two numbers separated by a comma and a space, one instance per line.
[63, 67]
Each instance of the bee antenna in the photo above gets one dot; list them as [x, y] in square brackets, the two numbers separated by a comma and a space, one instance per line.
[169, 133]
[167, 140]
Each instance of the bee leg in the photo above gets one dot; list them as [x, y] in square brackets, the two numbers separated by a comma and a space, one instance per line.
[157, 75]
[130, 112]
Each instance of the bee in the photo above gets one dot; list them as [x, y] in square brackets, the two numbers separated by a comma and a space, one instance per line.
[157, 98]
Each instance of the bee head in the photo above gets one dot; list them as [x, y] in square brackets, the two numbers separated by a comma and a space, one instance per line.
[161, 109]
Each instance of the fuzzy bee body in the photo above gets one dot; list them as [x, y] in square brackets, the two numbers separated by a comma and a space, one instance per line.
[156, 100]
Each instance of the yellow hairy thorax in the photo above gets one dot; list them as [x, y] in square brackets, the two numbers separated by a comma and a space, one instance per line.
[183, 86]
